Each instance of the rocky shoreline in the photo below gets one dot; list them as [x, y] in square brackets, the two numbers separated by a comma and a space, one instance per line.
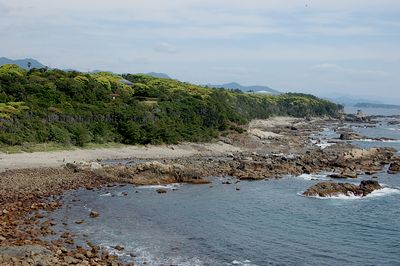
[267, 150]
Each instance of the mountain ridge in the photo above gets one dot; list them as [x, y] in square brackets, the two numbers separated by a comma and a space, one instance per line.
[253, 88]
[22, 63]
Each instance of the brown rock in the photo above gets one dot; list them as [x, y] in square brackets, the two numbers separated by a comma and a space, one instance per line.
[94, 214]
[368, 186]
[394, 168]
[119, 248]
[328, 189]
[161, 191]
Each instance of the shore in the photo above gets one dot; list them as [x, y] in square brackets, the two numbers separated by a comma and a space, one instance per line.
[60, 158]
[33, 182]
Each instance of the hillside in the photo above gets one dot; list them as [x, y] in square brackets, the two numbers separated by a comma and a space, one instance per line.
[237, 86]
[23, 63]
[49, 105]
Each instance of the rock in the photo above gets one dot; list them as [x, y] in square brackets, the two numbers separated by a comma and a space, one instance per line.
[394, 168]
[345, 174]
[2, 239]
[80, 221]
[95, 166]
[349, 136]
[161, 191]
[70, 260]
[119, 248]
[329, 189]
[94, 214]
[368, 186]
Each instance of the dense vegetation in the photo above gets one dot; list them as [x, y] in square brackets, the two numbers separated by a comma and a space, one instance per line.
[43, 105]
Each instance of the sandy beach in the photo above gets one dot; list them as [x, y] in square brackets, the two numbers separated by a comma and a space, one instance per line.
[258, 128]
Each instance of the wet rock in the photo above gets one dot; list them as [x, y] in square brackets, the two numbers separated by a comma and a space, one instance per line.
[94, 214]
[161, 191]
[80, 221]
[119, 248]
[368, 186]
[329, 189]
[349, 136]
[394, 168]
[345, 174]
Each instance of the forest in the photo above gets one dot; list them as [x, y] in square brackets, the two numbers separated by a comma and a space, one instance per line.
[74, 108]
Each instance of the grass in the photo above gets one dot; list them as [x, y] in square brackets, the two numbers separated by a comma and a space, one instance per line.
[52, 146]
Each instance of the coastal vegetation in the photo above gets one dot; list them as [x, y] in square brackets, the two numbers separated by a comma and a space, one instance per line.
[73, 108]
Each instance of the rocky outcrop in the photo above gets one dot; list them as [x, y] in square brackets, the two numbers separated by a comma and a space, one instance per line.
[156, 173]
[329, 189]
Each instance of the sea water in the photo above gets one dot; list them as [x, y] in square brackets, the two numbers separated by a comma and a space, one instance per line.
[264, 223]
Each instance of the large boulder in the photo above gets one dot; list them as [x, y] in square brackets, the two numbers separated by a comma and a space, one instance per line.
[329, 189]
[368, 186]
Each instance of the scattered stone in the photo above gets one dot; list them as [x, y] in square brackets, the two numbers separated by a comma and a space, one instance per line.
[94, 214]
[161, 191]
[80, 221]
[119, 248]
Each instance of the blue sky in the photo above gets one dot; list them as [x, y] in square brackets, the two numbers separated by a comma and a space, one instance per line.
[324, 47]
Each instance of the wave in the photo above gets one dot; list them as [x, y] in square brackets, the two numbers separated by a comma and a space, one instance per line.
[386, 191]
[310, 177]
[377, 140]
[243, 263]
[143, 255]
[168, 186]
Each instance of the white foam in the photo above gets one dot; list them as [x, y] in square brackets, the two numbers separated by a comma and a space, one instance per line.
[309, 177]
[350, 196]
[383, 192]
[169, 186]
[243, 263]
[106, 195]
[392, 129]
[376, 140]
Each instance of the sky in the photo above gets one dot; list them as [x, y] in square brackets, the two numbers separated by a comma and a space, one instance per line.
[329, 48]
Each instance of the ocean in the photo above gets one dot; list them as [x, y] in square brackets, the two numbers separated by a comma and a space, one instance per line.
[265, 222]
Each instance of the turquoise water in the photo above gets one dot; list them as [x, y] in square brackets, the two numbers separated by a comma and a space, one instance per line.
[263, 223]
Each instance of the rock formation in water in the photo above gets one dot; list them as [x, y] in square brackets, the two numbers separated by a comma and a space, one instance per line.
[329, 189]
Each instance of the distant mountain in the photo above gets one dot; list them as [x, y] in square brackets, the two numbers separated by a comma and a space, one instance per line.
[158, 75]
[377, 105]
[256, 88]
[348, 101]
[23, 63]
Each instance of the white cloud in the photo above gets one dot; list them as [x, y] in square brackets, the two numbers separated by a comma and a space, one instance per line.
[164, 47]
[351, 71]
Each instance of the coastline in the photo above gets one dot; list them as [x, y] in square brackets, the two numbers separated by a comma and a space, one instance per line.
[35, 182]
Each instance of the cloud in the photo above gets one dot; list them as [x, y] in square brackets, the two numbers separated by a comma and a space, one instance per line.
[164, 47]
[254, 41]
[351, 71]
